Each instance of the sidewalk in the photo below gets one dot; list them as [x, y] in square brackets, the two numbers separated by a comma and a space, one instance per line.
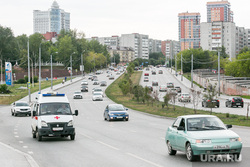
[187, 84]
[11, 157]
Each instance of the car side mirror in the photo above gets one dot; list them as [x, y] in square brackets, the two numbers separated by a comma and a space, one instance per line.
[126, 109]
[180, 128]
[76, 113]
[229, 126]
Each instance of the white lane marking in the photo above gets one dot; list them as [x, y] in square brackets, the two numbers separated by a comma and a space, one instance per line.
[86, 136]
[15, 133]
[16, 136]
[30, 152]
[152, 163]
[21, 142]
[108, 145]
[133, 131]
[25, 146]
[15, 129]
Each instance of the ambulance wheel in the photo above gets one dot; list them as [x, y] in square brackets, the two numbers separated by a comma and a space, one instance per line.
[39, 137]
[33, 134]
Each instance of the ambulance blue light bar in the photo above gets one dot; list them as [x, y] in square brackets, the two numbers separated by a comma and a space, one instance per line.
[53, 94]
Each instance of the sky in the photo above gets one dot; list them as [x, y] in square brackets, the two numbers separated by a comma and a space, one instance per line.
[104, 18]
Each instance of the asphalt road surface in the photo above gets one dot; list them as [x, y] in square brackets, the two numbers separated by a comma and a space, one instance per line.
[137, 142]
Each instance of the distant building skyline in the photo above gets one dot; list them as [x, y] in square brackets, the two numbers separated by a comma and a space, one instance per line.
[53, 20]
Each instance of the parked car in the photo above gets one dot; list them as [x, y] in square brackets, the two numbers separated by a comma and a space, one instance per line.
[154, 83]
[197, 135]
[77, 95]
[97, 96]
[234, 101]
[103, 83]
[146, 79]
[84, 88]
[163, 88]
[20, 108]
[184, 97]
[84, 82]
[170, 85]
[146, 74]
[115, 112]
[178, 88]
[210, 103]
[160, 72]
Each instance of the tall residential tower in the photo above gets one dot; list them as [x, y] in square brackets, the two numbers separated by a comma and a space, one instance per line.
[53, 20]
[189, 30]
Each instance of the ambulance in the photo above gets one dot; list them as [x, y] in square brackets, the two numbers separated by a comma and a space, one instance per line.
[52, 117]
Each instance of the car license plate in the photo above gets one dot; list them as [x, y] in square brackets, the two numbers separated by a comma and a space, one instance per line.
[237, 103]
[119, 117]
[58, 129]
[222, 147]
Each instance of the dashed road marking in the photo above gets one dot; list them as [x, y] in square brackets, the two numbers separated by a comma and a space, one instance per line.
[86, 136]
[30, 152]
[16, 136]
[21, 142]
[15, 133]
[108, 145]
[135, 156]
[25, 146]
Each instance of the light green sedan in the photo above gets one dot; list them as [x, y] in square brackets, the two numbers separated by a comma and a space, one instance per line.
[198, 135]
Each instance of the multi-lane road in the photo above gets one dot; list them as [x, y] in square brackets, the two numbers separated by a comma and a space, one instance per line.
[137, 142]
[166, 77]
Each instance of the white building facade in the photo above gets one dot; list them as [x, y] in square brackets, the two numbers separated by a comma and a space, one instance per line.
[53, 20]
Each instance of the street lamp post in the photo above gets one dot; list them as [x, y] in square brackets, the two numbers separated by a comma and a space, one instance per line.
[29, 72]
[40, 68]
[71, 67]
[51, 69]
[192, 60]
[181, 69]
[219, 73]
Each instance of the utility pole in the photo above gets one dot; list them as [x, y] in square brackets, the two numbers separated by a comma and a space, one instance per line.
[1, 71]
[71, 68]
[82, 64]
[219, 73]
[192, 61]
[51, 74]
[171, 64]
[181, 69]
[175, 65]
[40, 68]
[29, 72]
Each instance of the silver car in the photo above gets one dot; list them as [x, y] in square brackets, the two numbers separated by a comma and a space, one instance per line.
[97, 96]
[184, 97]
[77, 95]
[20, 108]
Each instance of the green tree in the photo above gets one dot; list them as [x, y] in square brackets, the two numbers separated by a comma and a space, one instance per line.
[211, 94]
[166, 98]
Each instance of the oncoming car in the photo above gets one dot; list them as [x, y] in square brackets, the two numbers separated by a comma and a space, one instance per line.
[77, 95]
[20, 108]
[97, 96]
[198, 135]
[115, 112]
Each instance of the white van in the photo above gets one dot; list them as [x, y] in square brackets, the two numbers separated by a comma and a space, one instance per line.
[52, 116]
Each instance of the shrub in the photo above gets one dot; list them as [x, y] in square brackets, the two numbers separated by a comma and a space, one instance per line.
[4, 89]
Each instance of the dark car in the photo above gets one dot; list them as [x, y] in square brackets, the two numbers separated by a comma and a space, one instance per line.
[153, 72]
[234, 101]
[178, 89]
[84, 88]
[115, 112]
[154, 83]
[210, 103]
[103, 83]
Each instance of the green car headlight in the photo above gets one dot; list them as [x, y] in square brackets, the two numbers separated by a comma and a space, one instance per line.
[206, 141]
[235, 139]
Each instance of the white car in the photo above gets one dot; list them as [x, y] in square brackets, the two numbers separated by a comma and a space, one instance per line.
[20, 108]
[97, 96]
[184, 97]
[97, 90]
[84, 82]
[77, 95]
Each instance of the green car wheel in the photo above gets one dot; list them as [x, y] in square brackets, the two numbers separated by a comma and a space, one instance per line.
[170, 150]
[189, 153]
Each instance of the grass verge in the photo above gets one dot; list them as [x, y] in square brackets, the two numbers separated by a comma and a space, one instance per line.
[20, 93]
[115, 94]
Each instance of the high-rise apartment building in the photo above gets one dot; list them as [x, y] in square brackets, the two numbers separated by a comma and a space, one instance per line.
[219, 11]
[217, 34]
[170, 48]
[53, 20]
[138, 42]
[189, 30]
[154, 46]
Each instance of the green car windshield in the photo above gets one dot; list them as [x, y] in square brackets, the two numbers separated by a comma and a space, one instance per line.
[205, 123]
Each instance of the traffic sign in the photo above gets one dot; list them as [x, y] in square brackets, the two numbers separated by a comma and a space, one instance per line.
[28, 84]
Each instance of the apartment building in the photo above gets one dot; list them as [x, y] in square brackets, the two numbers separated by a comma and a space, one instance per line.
[154, 46]
[138, 42]
[126, 53]
[189, 30]
[53, 20]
